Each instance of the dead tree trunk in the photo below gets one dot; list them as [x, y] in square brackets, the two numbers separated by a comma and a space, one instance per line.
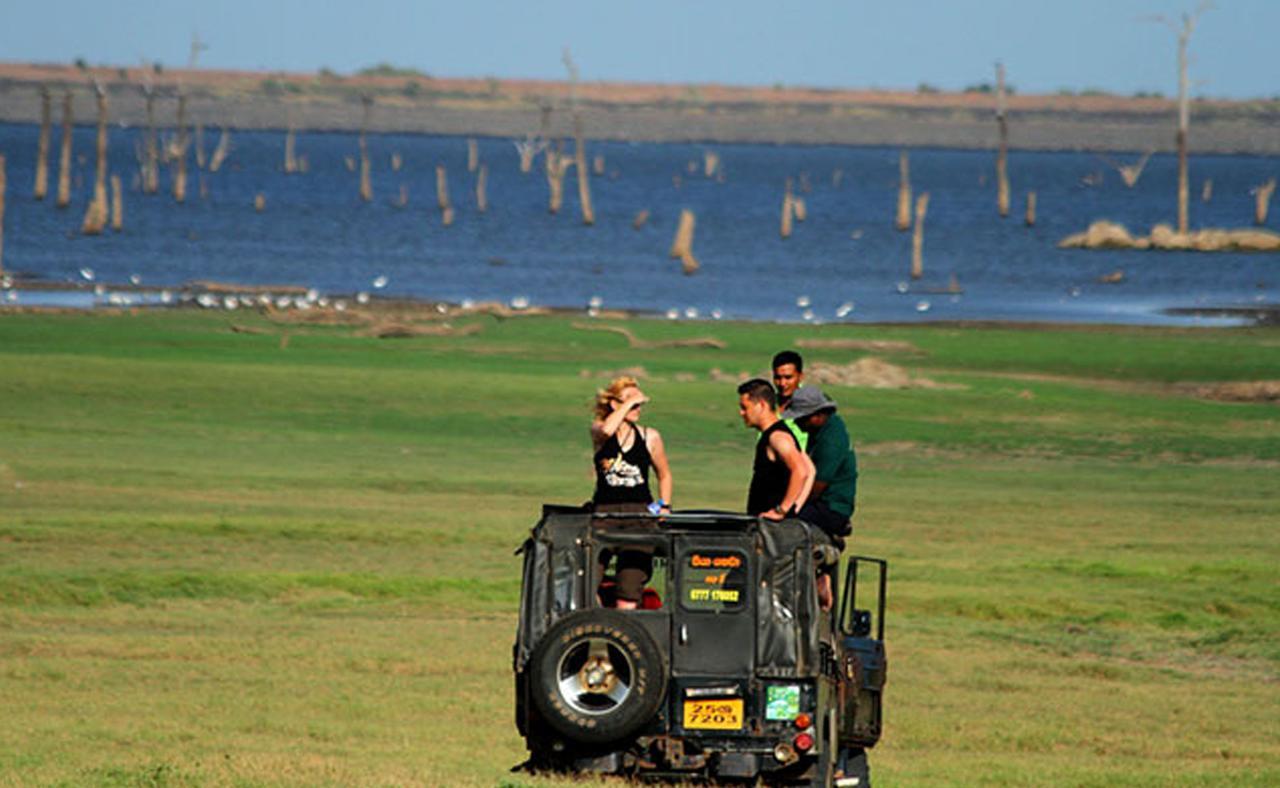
[784, 225]
[64, 156]
[917, 237]
[151, 160]
[1031, 209]
[580, 147]
[683, 241]
[117, 204]
[180, 168]
[442, 187]
[291, 149]
[95, 216]
[710, 163]
[641, 217]
[1002, 155]
[1262, 201]
[200, 160]
[1184, 108]
[42, 147]
[903, 221]
[556, 164]
[220, 151]
[482, 178]
[366, 182]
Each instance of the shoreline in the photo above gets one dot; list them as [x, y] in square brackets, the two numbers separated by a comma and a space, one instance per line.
[692, 114]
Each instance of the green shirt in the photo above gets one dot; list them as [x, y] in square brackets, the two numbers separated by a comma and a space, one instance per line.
[836, 464]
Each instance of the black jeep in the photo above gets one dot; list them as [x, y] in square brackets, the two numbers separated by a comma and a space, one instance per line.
[728, 671]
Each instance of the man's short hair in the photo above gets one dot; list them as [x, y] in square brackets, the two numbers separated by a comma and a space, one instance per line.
[759, 390]
[788, 357]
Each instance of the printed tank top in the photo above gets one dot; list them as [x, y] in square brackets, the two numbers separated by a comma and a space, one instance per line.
[623, 477]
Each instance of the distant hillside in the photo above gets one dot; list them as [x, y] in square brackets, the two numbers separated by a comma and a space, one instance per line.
[406, 101]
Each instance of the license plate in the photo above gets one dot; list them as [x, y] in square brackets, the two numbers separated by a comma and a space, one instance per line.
[721, 714]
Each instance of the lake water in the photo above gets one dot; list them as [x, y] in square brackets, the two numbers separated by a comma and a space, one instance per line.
[316, 232]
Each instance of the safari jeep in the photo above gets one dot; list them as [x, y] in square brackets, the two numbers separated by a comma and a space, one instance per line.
[728, 671]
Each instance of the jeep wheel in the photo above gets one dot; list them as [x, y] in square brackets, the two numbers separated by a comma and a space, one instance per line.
[597, 676]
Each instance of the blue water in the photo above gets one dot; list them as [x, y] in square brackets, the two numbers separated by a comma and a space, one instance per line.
[316, 232]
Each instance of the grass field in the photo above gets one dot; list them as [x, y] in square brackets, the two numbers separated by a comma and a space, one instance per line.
[224, 561]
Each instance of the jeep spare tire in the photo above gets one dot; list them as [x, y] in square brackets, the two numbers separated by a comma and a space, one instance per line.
[597, 676]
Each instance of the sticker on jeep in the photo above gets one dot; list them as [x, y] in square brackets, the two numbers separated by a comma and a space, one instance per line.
[714, 580]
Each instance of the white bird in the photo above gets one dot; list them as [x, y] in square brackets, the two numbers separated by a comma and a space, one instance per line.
[1074, 292]
[380, 282]
[302, 303]
[284, 302]
[595, 302]
[166, 297]
[673, 314]
[135, 279]
[313, 295]
[323, 303]
[691, 313]
[808, 314]
[362, 298]
[922, 306]
[206, 300]
[520, 302]
[716, 314]
[467, 303]
[87, 273]
[340, 305]
[844, 309]
[12, 295]
[903, 287]
[99, 290]
[802, 302]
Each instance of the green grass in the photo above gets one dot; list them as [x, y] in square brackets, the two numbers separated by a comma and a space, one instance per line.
[228, 562]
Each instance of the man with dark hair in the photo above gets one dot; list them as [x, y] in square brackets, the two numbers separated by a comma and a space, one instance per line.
[835, 485]
[788, 377]
[782, 474]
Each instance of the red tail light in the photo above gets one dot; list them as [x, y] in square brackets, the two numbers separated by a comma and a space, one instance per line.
[803, 720]
[803, 742]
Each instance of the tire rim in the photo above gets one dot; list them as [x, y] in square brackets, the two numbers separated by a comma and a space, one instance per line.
[594, 676]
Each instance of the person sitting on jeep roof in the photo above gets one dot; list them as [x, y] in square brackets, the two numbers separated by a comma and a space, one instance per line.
[782, 474]
[831, 504]
[624, 452]
[788, 377]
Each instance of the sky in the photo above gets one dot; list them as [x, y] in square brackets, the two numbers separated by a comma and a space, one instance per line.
[1046, 45]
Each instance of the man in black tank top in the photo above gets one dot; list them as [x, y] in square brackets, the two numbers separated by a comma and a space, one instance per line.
[782, 474]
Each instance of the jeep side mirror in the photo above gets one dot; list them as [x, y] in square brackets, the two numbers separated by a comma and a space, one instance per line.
[853, 620]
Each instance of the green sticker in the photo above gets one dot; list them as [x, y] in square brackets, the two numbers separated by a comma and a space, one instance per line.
[782, 702]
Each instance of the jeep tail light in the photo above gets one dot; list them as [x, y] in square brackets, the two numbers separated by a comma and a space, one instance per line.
[803, 720]
[803, 742]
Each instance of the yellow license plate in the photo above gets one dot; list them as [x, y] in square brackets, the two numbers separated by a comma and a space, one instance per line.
[722, 714]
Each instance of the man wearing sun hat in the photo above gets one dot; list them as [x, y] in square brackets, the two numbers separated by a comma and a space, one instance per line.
[831, 502]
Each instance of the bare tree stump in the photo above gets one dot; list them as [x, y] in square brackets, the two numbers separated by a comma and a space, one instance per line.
[683, 243]
[917, 237]
[200, 159]
[64, 156]
[366, 181]
[482, 178]
[1262, 201]
[799, 208]
[1002, 155]
[788, 212]
[290, 149]
[259, 202]
[442, 187]
[1031, 209]
[403, 200]
[220, 151]
[397, 161]
[1206, 190]
[556, 164]
[903, 221]
[180, 171]
[597, 164]
[710, 163]
[42, 147]
[350, 162]
[117, 204]
[151, 161]
[641, 218]
[473, 155]
[95, 217]
[446, 216]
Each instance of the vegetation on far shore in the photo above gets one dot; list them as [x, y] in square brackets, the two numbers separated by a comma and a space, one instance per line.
[282, 554]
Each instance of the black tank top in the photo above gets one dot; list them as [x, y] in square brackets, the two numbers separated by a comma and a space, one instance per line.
[769, 478]
[623, 477]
